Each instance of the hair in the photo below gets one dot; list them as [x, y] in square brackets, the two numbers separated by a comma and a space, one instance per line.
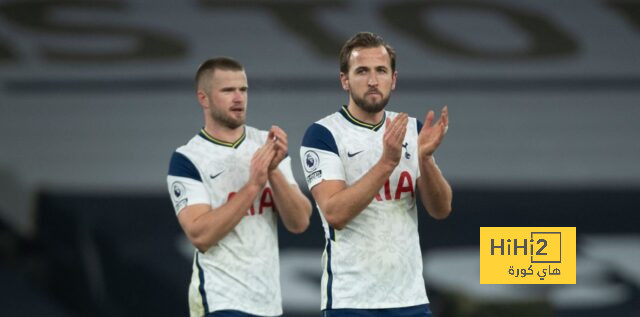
[364, 40]
[206, 70]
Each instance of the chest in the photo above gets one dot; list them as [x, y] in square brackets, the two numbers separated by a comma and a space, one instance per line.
[226, 169]
[360, 151]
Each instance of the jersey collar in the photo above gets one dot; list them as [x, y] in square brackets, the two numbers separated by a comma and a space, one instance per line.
[213, 140]
[347, 115]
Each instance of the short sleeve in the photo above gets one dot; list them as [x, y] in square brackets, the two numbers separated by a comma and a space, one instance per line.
[185, 184]
[319, 156]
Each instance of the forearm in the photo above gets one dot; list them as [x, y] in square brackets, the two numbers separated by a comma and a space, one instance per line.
[434, 190]
[293, 207]
[212, 226]
[348, 203]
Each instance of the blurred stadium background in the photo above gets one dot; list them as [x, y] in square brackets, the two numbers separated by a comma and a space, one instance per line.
[95, 96]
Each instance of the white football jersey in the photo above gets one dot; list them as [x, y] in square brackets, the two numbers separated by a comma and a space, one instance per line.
[375, 260]
[241, 272]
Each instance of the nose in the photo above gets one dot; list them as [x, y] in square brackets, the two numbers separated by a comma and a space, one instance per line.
[238, 96]
[373, 80]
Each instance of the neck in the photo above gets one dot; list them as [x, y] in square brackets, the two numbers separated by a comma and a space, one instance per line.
[364, 116]
[222, 132]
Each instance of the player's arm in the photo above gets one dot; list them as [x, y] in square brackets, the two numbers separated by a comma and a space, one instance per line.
[341, 203]
[205, 226]
[293, 207]
[435, 192]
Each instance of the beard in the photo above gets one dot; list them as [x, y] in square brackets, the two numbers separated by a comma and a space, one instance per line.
[225, 119]
[370, 107]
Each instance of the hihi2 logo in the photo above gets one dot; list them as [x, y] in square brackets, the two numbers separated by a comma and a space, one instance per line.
[527, 255]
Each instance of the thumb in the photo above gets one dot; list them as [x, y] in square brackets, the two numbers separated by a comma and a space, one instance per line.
[270, 135]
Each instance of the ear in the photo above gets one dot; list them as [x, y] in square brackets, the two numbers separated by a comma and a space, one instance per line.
[394, 77]
[203, 99]
[344, 80]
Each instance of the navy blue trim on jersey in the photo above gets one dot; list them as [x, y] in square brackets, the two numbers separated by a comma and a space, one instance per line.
[375, 127]
[329, 274]
[229, 313]
[319, 137]
[213, 140]
[419, 124]
[411, 311]
[203, 294]
[181, 166]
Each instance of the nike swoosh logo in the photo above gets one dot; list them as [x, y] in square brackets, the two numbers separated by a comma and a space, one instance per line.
[214, 176]
[354, 154]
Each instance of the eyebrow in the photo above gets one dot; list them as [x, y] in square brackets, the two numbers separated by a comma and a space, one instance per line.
[380, 67]
[243, 88]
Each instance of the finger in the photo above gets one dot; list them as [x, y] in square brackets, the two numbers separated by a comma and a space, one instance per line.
[402, 131]
[272, 154]
[402, 125]
[264, 149]
[274, 130]
[398, 121]
[445, 127]
[270, 145]
[271, 134]
[280, 134]
[278, 130]
[266, 157]
[428, 119]
[270, 151]
[281, 146]
[445, 115]
[401, 116]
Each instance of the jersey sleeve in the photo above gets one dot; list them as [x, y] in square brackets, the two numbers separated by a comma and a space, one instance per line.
[185, 184]
[320, 157]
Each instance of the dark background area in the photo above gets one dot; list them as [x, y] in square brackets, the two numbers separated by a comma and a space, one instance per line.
[96, 95]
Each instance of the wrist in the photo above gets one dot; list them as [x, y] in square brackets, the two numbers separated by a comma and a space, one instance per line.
[426, 159]
[425, 154]
[273, 173]
[252, 187]
[387, 165]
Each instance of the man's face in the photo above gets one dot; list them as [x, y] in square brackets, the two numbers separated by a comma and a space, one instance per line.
[226, 100]
[370, 78]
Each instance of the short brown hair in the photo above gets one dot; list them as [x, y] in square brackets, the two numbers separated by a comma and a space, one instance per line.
[206, 69]
[364, 40]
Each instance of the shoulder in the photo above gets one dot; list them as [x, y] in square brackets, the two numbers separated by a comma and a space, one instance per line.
[331, 122]
[182, 164]
[255, 135]
[319, 136]
[254, 132]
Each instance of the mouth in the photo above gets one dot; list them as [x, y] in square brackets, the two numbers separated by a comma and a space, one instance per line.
[370, 93]
[237, 109]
